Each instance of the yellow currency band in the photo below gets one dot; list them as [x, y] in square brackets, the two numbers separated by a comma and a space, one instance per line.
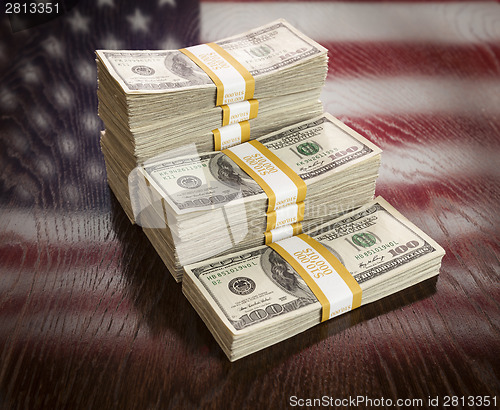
[252, 113]
[245, 135]
[249, 79]
[333, 261]
[299, 182]
[297, 230]
[271, 216]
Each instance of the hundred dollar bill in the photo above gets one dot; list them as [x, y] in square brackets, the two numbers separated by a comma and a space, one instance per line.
[262, 51]
[252, 295]
[314, 149]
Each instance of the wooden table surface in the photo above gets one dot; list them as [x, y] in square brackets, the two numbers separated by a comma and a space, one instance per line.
[91, 318]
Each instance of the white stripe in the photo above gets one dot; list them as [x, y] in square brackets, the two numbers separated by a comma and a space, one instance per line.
[399, 95]
[332, 285]
[324, 21]
[233, 82]
[284, 188]
[421, 164]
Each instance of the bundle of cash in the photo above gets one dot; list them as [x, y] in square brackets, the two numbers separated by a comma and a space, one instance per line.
[196, 128]
[142, 94]
[253, 299]
[194, 207]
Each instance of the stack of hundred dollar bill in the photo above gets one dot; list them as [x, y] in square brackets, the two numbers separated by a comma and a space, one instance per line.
[197, 206]
[153, 101]
[253, 299]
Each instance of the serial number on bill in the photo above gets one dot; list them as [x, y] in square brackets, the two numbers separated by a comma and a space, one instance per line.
[31, 8]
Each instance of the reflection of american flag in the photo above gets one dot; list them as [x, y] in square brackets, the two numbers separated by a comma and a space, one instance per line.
[48, 94]
[423, 95]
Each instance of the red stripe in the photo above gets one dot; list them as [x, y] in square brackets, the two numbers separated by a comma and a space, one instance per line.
[425, 129]
[389, 59]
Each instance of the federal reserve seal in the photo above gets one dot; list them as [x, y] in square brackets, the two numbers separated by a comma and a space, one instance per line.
[308, 148]
[241, 286]
[189, 182]
[364, 239]
[143, 70]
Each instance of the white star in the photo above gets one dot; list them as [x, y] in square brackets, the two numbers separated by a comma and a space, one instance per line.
[53, 47]
[138, 21]
[90, 121]
[45, 166]
[62, 96]
[71, 193]
[101, 3]
[94, 170]
[30, 73]
[169, 2]
[7, 99]
[40, 119]
[86, 71]
[67, 145]
[112, 43]
[169, 43]
[79, 22]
